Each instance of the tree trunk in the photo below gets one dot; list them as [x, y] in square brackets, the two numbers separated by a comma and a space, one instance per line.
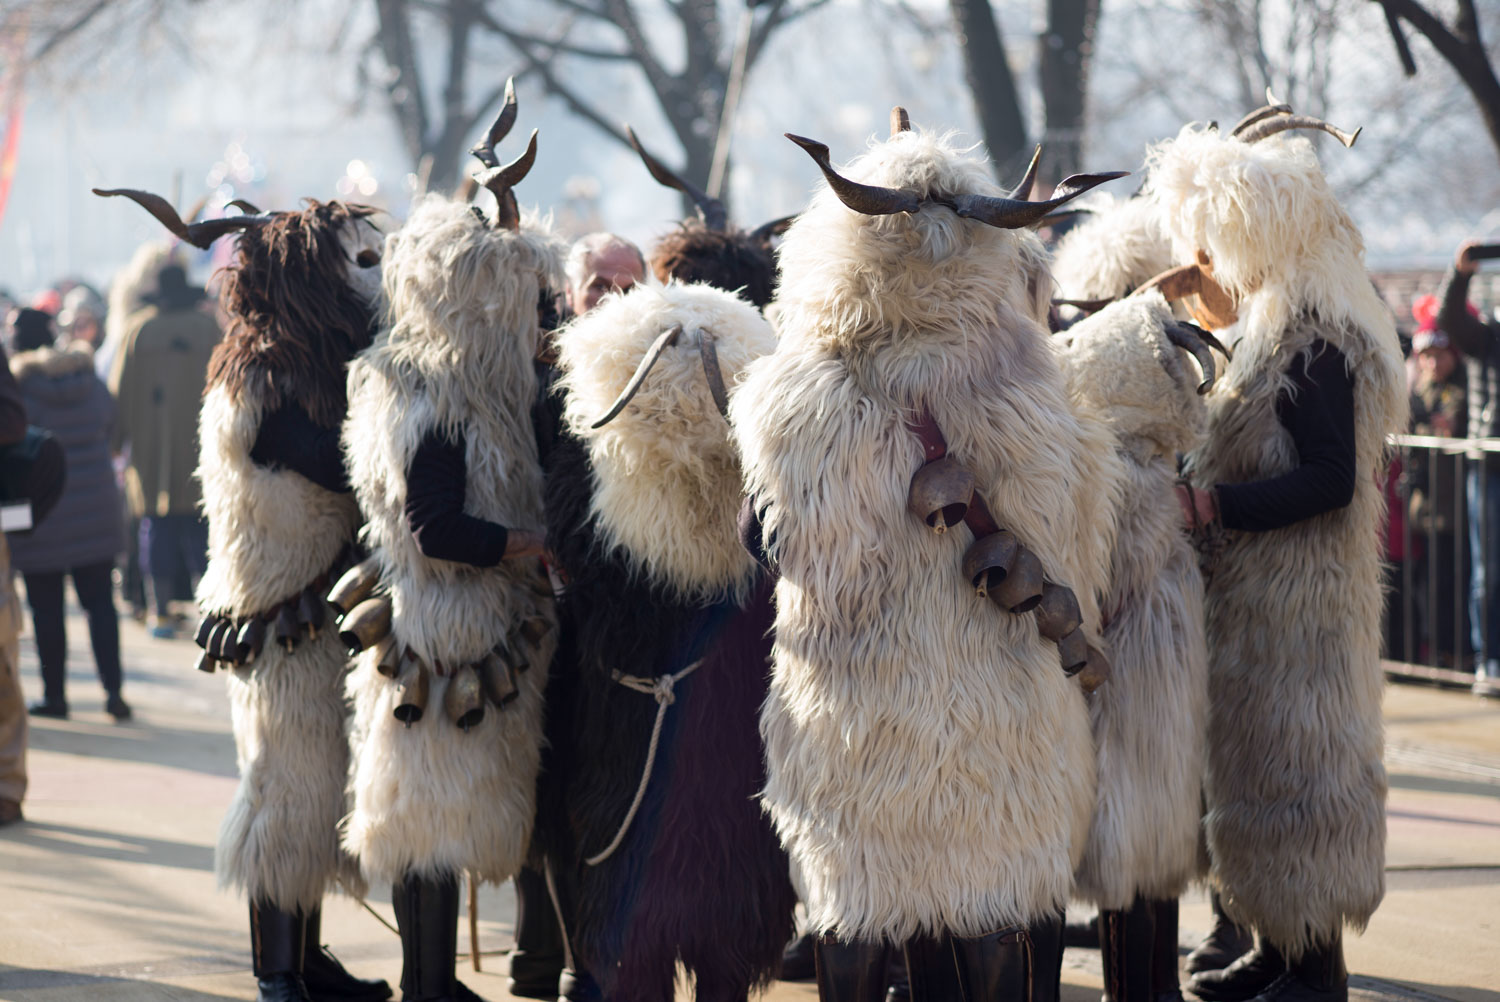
[1066, 51]
[993, 85]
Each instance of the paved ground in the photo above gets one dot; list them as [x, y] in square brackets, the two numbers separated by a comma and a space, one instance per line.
[107, 891]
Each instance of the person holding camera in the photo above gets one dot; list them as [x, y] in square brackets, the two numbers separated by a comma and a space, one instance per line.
[1480, 344]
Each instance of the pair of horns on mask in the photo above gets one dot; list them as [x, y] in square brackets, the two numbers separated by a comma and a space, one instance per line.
[1013, 211]
[1276, 116]
[708, 352]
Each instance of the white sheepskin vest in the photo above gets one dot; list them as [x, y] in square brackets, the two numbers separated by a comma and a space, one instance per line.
[667, 481]
[270, 532]
[1149, 719]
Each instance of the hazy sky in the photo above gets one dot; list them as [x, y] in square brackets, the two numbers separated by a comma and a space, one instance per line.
[144, 114]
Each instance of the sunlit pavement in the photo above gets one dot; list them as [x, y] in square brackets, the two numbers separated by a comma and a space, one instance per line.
[107, 890]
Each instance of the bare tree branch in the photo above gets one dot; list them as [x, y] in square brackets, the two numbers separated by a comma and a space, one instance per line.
[68, 30]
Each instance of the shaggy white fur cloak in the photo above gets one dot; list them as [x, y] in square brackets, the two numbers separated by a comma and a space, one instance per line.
[431, 798]
[270, 534]
[1149, 720]
[1296, 786]
[1112, 252]
[667, 464]
[930, 766]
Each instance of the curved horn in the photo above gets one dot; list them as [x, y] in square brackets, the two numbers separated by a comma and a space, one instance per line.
[775, 228]
[200, 235]
[485, 148]
[1011, 214]
[1022, 191]
[900, 121]
[1086, 305]
[666, 339]
[709, 352]
[1284, 122]
[1193, 340]
[1263, 112]
[500, 181]
[869, 199]
[710, 209]
[154, 204]
[244, 206]
[1175, 283]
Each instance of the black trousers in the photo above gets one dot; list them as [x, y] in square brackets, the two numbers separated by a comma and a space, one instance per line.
[44, 593]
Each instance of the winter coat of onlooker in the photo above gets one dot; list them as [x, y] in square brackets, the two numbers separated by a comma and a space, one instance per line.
[81, 536]
[12, 703]
[1480, 344]
[158, 379]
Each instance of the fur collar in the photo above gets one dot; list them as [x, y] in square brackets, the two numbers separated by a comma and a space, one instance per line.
[51, 362]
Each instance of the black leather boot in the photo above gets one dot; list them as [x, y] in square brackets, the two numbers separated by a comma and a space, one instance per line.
[797, 960]
[996, 967]
[1242, 980]
[1047, 939]
[1126, 939]
[536, 963]
[931, 973]
[276, 940]
[1319, 975]
[325, 977]
[1166, 984]
[1226, 942]
[850, 972]
[427, 916]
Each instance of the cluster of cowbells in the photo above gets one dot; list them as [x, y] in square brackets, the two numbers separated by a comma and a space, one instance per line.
[1002, 568]
[236, 641]
[365, 625]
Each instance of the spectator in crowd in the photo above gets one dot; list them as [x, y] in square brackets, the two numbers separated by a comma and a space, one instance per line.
[12, 703]
[1480, 344]
[1438, 409]
[157, 379]
[63, 394]
[82, 316]
[599, 264]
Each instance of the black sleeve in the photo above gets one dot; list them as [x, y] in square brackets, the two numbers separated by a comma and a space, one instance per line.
[12, 409]
[1319, 415]
[753, 532]
[1469, 333]
[289, 439]
[435, 486]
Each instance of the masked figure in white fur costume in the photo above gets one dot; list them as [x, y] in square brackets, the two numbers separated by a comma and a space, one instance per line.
[1286, 497]
[658, 764]
[300, 297]
[1143, 844]
[448, 703]
[930, 763]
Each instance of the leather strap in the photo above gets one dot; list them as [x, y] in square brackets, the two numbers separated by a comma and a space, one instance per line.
[935, 446]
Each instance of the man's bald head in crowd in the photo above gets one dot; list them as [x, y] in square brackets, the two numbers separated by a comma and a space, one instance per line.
[599, 264]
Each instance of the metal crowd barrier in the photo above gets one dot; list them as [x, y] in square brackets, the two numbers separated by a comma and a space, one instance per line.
[1427, 628]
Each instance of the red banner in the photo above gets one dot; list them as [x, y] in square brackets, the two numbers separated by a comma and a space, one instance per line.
[12, 102]
[8, 146]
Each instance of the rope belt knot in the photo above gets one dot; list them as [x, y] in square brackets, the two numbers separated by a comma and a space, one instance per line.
[663, 689]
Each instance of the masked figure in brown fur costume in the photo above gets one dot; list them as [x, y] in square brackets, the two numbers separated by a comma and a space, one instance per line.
[447, 731]
[942, 516]
[1289, 512]
[661, 849]
[300, 297]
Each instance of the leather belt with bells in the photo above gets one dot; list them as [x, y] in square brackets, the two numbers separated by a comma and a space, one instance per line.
[1095, 669]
